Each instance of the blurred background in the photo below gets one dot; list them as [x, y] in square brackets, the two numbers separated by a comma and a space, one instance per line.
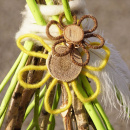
[113, 18]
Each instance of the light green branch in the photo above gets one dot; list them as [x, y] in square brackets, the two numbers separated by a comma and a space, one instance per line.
[67, 11]
[31, 106]
[2, 118]
[28, 45]
[11, 72]
[36, 12]
[95, 102]
[90, 109]
[50, 2]
[36, 108]
[32, 125]
[51, 126]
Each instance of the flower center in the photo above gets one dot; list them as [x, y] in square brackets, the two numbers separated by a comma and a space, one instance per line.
[73, 33]
[62, 68]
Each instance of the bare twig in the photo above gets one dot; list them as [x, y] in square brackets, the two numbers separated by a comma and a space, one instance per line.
[33, 77]
[14, 105]
[40, 1]
[67, 114]
[44, 117]
[80, 113]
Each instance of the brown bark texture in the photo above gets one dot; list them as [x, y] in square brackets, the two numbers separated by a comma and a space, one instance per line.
[66, 116]
[80, 113]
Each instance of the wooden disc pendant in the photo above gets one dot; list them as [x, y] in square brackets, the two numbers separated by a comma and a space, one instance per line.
[62, 68]
[73, 33]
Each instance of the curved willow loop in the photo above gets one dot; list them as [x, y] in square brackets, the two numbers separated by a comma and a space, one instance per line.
[95, 23]
[87, 58]
[92, 97]
[105, 60]
[97, 36]
[32, 67]
[46, 100]
[53, 22]
[32, 53]
[60, 54]
[63, 15]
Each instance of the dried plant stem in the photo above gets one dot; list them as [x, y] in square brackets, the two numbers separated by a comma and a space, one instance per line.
[80, 113]
[90, 108]
[14, 80]
[36, 109]
[67, 114]
[40, 1]
[51, 126]
[33, 76]
[44, 117]
[7, 97]
[14, 105]
[32, 104]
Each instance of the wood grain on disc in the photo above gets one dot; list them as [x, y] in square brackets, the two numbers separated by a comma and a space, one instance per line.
[62, 68]
[73, 33]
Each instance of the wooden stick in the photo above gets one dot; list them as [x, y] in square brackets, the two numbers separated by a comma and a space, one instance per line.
[67, 114]
[33, 77]
[40, 1]
[44, 117]
[80, 113]
[14, 105]
[22, 97]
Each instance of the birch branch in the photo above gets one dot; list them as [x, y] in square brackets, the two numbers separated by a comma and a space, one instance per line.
[80, 113]
[67, 120]
[14, 105]
[44, 117]
[33, 77]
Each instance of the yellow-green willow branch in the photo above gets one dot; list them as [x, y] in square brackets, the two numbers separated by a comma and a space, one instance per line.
[31, 125]
[28, 45]
[95, 102]
[32, 104]
[34, 122]
[51, 126]
[90, 108]
[50, 2]
[11, 72]
[67, 11]
[36, 12]
[2, 118]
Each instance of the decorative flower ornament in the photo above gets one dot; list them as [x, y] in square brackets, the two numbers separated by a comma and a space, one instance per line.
[74, 36]
[64, 62]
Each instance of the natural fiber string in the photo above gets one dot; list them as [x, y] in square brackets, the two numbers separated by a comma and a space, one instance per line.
[30, 53]
[46, 100]
[33, 67]
[71, 44]
[35, 54]
[92, 97]
[105, 60]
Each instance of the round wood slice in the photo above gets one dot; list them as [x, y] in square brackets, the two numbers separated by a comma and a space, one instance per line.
[62, 68]
[73, 33]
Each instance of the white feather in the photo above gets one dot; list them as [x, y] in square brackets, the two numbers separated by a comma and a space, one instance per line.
[115, 75]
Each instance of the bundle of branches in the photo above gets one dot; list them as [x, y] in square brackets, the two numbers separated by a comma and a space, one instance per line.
[17, 103]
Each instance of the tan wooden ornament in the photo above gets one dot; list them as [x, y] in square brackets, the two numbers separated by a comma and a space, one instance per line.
[62, 68]
[74, 37]
[73, 33]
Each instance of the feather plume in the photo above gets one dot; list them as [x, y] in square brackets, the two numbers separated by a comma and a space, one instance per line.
[114, 78]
